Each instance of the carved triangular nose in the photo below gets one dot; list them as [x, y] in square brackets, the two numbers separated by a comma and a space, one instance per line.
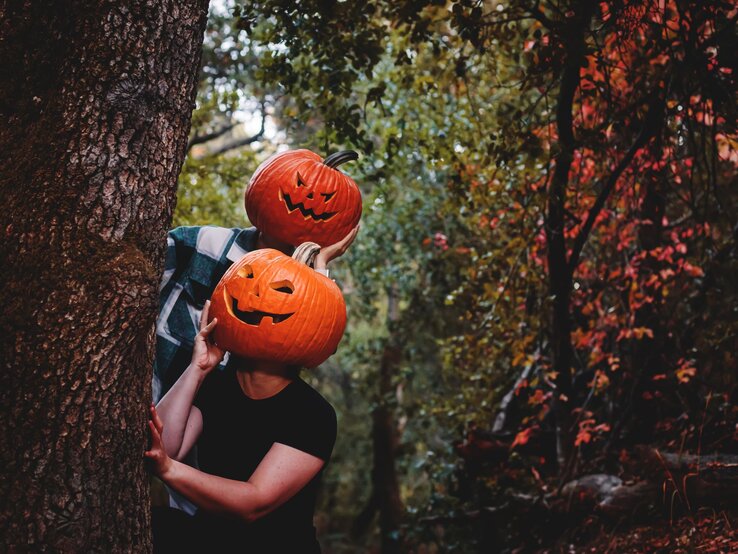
[256, 290]
[310, 195]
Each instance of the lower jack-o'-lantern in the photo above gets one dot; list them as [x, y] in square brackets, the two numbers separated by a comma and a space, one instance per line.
[297, 196]
[272, 307]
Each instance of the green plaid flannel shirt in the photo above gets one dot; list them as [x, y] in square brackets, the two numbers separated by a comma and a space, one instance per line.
[197, 257]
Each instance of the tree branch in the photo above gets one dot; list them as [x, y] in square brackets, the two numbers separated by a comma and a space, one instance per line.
[201, 139]
[564, 126]
[244, 141]
[652, 123]
[544, 20]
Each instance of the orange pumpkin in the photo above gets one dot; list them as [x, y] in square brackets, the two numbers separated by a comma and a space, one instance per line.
[271, 307]
[297, 197]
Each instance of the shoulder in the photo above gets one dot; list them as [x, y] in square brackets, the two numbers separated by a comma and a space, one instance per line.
[307, 422]
[192, 234]
[312, 401]
[211, 239]
[210, 247]
[312, 408]
[185, 235]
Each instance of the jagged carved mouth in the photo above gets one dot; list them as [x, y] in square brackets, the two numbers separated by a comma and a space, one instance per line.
[255, 317]
[306, 212]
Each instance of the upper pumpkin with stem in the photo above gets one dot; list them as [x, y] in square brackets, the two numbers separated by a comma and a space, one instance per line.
[297, 197]
[273, 307]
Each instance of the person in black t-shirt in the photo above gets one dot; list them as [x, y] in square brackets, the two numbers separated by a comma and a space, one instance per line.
[264, 437]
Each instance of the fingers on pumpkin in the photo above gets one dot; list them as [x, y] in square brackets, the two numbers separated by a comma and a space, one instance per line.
[205, 331]
[349, 239]
[204, 315]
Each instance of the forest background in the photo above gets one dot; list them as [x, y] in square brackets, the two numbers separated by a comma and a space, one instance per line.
[543, 287]
[541, 350]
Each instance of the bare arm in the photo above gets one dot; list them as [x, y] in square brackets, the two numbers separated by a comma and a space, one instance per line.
[282, 473]
[183, 420]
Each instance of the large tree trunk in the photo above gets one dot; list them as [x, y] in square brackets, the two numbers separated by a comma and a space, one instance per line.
[95, 110]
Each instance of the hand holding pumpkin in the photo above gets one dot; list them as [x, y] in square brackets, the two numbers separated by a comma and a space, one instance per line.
[336, 250]
[205, 353]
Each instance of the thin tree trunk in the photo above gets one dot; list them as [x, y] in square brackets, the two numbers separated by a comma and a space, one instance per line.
[385, 441]
[559, 271]
[95, 111]
[385, 496]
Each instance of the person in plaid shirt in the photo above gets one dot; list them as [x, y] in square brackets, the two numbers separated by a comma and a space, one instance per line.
[196, 259]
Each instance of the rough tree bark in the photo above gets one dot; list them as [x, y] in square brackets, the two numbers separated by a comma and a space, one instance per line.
[95, 109]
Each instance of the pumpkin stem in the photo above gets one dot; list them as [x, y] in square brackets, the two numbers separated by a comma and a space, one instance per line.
[306, 252]
[336, 159]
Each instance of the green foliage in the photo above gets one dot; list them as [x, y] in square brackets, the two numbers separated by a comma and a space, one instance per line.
[211, 190]
[453, 108]
[212, 184]
[318, 54]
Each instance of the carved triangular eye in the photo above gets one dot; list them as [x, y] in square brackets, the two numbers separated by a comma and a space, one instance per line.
[246, 272]
[327, 195]
[300, 183]
[283, 286]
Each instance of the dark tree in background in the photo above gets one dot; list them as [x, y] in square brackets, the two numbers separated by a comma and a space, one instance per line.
[573, 212]
[95, 106]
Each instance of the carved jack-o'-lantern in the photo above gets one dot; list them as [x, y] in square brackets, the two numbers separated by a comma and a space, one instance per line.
[272, 307]
[296, 197]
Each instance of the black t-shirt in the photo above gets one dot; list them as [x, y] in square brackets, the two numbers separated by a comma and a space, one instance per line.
[237, 433]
